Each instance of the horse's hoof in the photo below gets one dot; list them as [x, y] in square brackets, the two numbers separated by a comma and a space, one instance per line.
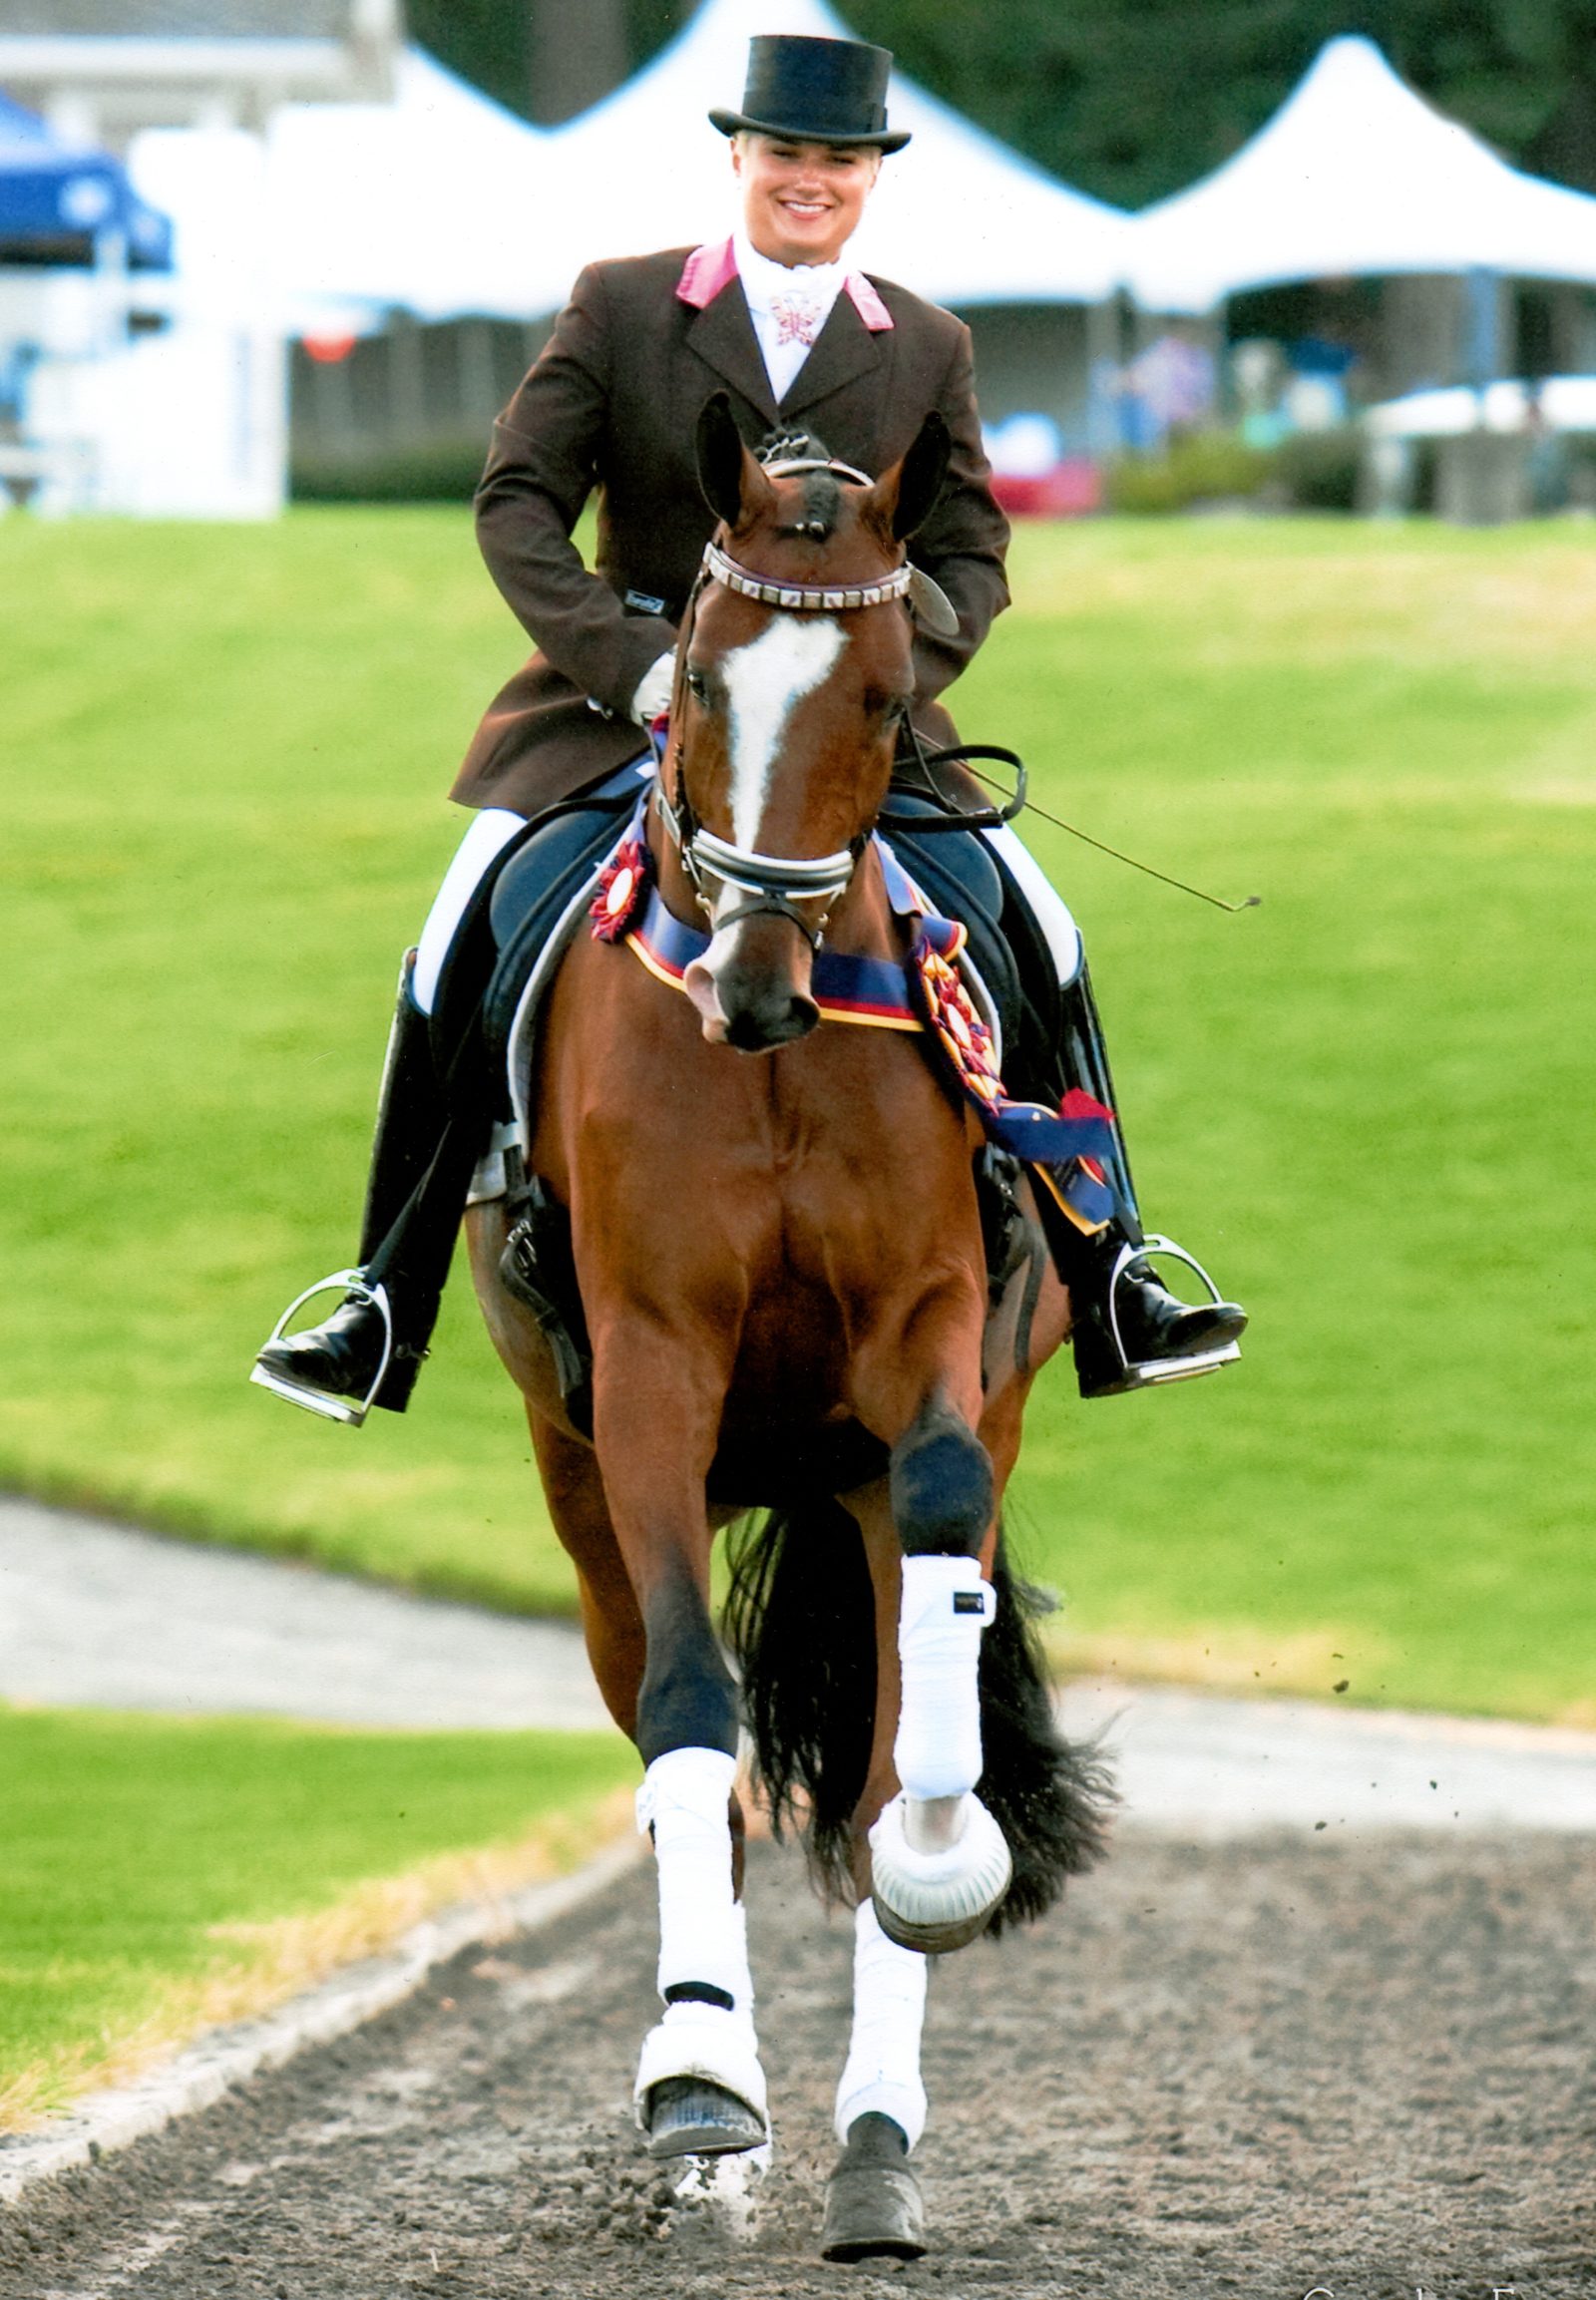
[938, 1901]
[874, 2209]
[687, 2117]
[700, 2090]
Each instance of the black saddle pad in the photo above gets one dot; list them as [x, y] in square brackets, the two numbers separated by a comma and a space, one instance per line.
[960, 872]
[544, 873]
[547, 872]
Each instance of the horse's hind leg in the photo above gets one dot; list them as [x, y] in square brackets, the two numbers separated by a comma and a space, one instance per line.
[873, 2201]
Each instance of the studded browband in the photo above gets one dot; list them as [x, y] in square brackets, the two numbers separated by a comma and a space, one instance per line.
[814, 598]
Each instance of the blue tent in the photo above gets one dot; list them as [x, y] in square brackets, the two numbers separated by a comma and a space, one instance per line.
[56, 204]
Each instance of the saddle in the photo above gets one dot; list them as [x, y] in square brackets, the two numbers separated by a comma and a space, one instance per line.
[544, 885]
[545, 888]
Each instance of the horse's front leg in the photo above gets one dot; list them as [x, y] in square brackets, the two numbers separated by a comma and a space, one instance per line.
[939, 1863]
[658, 1399]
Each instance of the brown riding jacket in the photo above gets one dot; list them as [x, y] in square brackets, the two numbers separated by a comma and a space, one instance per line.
[613, 403]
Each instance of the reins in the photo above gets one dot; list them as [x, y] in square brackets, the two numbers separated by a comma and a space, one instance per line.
[776, 884]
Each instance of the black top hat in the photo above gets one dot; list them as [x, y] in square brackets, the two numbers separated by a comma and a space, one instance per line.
[816, 92]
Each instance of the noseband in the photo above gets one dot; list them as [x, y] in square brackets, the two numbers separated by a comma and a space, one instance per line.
[775, 884]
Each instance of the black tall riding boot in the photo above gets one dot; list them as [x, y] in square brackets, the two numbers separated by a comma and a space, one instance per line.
[1131, 1332]
[407, 1238]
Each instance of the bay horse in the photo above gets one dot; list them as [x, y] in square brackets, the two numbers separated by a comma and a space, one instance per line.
[778, 1237]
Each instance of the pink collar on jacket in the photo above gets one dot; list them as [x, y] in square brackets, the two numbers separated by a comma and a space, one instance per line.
[709, 269]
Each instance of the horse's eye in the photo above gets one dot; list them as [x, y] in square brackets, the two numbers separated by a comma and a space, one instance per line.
[697, 683]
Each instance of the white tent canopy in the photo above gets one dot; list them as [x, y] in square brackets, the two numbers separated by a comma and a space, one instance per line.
[957, 215]
[1355, 176]
[435, 202]
[444, 204]
[429, 203]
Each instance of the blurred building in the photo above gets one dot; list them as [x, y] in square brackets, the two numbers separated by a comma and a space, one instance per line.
[101, 71]
[168, 395]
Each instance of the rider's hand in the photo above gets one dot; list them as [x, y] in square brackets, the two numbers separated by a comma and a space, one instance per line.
[653, 690]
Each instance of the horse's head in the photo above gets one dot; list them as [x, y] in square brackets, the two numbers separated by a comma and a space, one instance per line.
[794, 675]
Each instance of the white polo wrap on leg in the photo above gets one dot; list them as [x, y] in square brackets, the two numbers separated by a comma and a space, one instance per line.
[702, 1935]
[945, 1607]
[703, 1931]
[882, 2073]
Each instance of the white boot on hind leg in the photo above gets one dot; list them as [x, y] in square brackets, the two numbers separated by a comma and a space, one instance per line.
[940, 1864]
[700, 2089]
[882, 2075]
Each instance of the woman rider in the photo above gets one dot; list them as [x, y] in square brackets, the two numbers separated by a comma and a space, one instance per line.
[775, 314]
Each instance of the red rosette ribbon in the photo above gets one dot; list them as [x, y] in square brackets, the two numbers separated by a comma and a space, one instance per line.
[623, 885]
[963, 1036]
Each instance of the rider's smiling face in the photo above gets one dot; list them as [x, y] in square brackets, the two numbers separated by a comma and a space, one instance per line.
[801, 202]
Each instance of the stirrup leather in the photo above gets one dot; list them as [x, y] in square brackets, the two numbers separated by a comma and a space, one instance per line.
[1152, 1372]
[350, 1410]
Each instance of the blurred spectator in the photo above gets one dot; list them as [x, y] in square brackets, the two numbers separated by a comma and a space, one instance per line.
[1257, 377]
[1168, 387]
[1033, 478]
[1024, 446]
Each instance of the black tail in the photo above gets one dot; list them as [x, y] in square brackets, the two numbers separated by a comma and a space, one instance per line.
[800, 1619]
[1050, 1797]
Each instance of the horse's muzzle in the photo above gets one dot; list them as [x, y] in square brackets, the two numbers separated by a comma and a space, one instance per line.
[751, 986]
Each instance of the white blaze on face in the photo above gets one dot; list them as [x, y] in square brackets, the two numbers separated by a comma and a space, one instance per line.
[763, 681]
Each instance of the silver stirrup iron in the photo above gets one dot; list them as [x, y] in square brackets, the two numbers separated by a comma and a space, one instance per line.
[1153, 1372]
[350, 1410]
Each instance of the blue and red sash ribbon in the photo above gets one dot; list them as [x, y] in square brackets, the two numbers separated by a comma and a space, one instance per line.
[845, 990]
[1071, 1146]
[1074, 1147]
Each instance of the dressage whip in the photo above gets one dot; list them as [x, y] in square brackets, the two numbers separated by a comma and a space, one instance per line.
[1250, 901]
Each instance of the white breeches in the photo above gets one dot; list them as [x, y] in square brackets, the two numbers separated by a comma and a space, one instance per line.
[1053, 913]
[491, 831]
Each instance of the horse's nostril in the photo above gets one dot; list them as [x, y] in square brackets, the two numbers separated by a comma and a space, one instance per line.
[753, 1031]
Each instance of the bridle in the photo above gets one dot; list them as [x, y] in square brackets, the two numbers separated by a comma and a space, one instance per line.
[774, 884]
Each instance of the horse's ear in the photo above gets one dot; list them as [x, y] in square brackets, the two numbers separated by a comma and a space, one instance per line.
[906, 495]
[727, 473]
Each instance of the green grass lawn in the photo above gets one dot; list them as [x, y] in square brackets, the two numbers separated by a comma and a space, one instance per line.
[1364, 1104]
[160, 1872]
